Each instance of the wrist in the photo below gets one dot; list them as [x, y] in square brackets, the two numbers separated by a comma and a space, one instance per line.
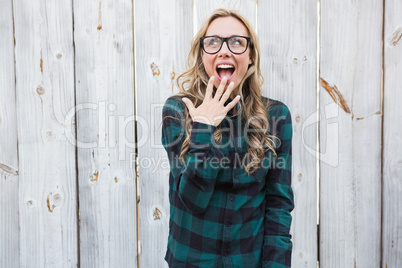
[203, 120]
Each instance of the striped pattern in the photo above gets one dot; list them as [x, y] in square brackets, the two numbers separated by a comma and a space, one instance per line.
[219, 215]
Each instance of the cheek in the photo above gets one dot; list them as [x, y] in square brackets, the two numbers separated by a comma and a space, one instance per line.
[244, 64]
[208, 61]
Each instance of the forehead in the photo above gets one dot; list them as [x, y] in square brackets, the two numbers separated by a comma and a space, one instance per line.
[226, 26]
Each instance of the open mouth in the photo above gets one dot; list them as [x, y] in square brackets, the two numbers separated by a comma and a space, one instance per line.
[225, 70]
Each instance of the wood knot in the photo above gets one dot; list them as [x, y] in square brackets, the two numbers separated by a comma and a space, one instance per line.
[8, 169]
[50, 135]
[94, 177]
[157, 214]
[50, 203]
[57, 199]
[155, 69]
[40, 90]
[335, 95]
[396, 36]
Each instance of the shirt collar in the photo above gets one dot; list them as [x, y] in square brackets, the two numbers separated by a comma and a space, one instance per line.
[230, 113]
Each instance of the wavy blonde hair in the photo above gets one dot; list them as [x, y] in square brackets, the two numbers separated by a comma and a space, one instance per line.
[193, 83]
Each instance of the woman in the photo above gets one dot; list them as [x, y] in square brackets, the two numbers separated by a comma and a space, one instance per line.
[230, 155]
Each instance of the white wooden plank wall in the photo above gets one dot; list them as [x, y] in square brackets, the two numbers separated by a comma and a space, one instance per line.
[70, 73]
[392, 137]
[288, 37]
[204, 9]
[160, 57]
[9, 179]
[47, 170]
[350, 196]
[104, 71]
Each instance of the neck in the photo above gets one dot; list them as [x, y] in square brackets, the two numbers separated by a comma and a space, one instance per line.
[232, 96]
[234, 93]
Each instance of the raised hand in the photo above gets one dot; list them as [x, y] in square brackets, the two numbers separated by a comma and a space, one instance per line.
[212, 110]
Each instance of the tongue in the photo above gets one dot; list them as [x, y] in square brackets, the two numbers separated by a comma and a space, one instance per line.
[225, 72]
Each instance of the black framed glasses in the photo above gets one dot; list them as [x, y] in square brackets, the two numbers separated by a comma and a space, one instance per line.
[236, 44]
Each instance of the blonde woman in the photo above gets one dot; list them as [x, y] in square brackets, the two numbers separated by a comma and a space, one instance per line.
[230, 155]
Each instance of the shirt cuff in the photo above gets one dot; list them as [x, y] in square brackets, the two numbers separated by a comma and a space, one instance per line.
[202, 133]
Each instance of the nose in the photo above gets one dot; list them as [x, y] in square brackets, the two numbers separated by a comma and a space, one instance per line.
[224, 50]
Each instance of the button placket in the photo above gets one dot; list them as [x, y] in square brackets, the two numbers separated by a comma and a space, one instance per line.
[229, 215]
[227, 234]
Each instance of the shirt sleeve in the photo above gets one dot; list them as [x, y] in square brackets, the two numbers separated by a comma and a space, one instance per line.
[195, 179]
[277, 249]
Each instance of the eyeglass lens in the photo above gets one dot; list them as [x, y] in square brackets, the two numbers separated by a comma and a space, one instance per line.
[237, 44]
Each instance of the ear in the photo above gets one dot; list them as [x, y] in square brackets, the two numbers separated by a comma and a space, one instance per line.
[250, 61]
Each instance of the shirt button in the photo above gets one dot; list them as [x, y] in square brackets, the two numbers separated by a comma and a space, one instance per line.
[225, 254]
[228, 225]
[231, 197]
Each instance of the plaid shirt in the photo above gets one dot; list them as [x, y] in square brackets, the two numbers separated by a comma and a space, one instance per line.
[219, 215]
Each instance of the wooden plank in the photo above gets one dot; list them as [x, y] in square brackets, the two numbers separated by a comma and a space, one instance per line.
[392, 158]
[104, 70]
[205, 8]
[160, 58]
[288, 37]
[9, 210]
[47, 171]
[350, 73]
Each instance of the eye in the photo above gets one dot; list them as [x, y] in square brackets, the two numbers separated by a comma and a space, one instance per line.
[212, 41]
[237, 41]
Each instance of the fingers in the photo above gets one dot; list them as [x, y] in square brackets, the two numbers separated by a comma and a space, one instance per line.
[189, 104]
[210, 88]
[232, 103]
[227, 93]
[220, 89]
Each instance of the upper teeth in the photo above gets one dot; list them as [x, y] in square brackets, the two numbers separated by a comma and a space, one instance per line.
[225, 66]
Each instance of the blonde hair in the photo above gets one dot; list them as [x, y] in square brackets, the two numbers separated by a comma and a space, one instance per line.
[193, 83]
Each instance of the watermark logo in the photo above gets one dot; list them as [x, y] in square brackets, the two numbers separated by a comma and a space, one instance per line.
[329, 135]
[112, 130]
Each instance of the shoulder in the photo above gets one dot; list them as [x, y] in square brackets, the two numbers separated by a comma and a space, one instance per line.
[279, 119]
[174, 102]
[276, 108]
[174, 106]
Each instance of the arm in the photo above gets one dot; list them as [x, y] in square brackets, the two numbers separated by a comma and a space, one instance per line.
[277, 250]
[194, 180]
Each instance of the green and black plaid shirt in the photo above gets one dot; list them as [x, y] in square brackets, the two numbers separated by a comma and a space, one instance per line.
[219, 215]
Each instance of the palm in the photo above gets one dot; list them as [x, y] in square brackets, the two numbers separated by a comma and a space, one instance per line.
[212, 110]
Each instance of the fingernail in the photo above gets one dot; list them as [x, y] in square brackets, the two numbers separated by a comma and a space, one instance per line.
[184, 99]
[211, 78]
[231, 83]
